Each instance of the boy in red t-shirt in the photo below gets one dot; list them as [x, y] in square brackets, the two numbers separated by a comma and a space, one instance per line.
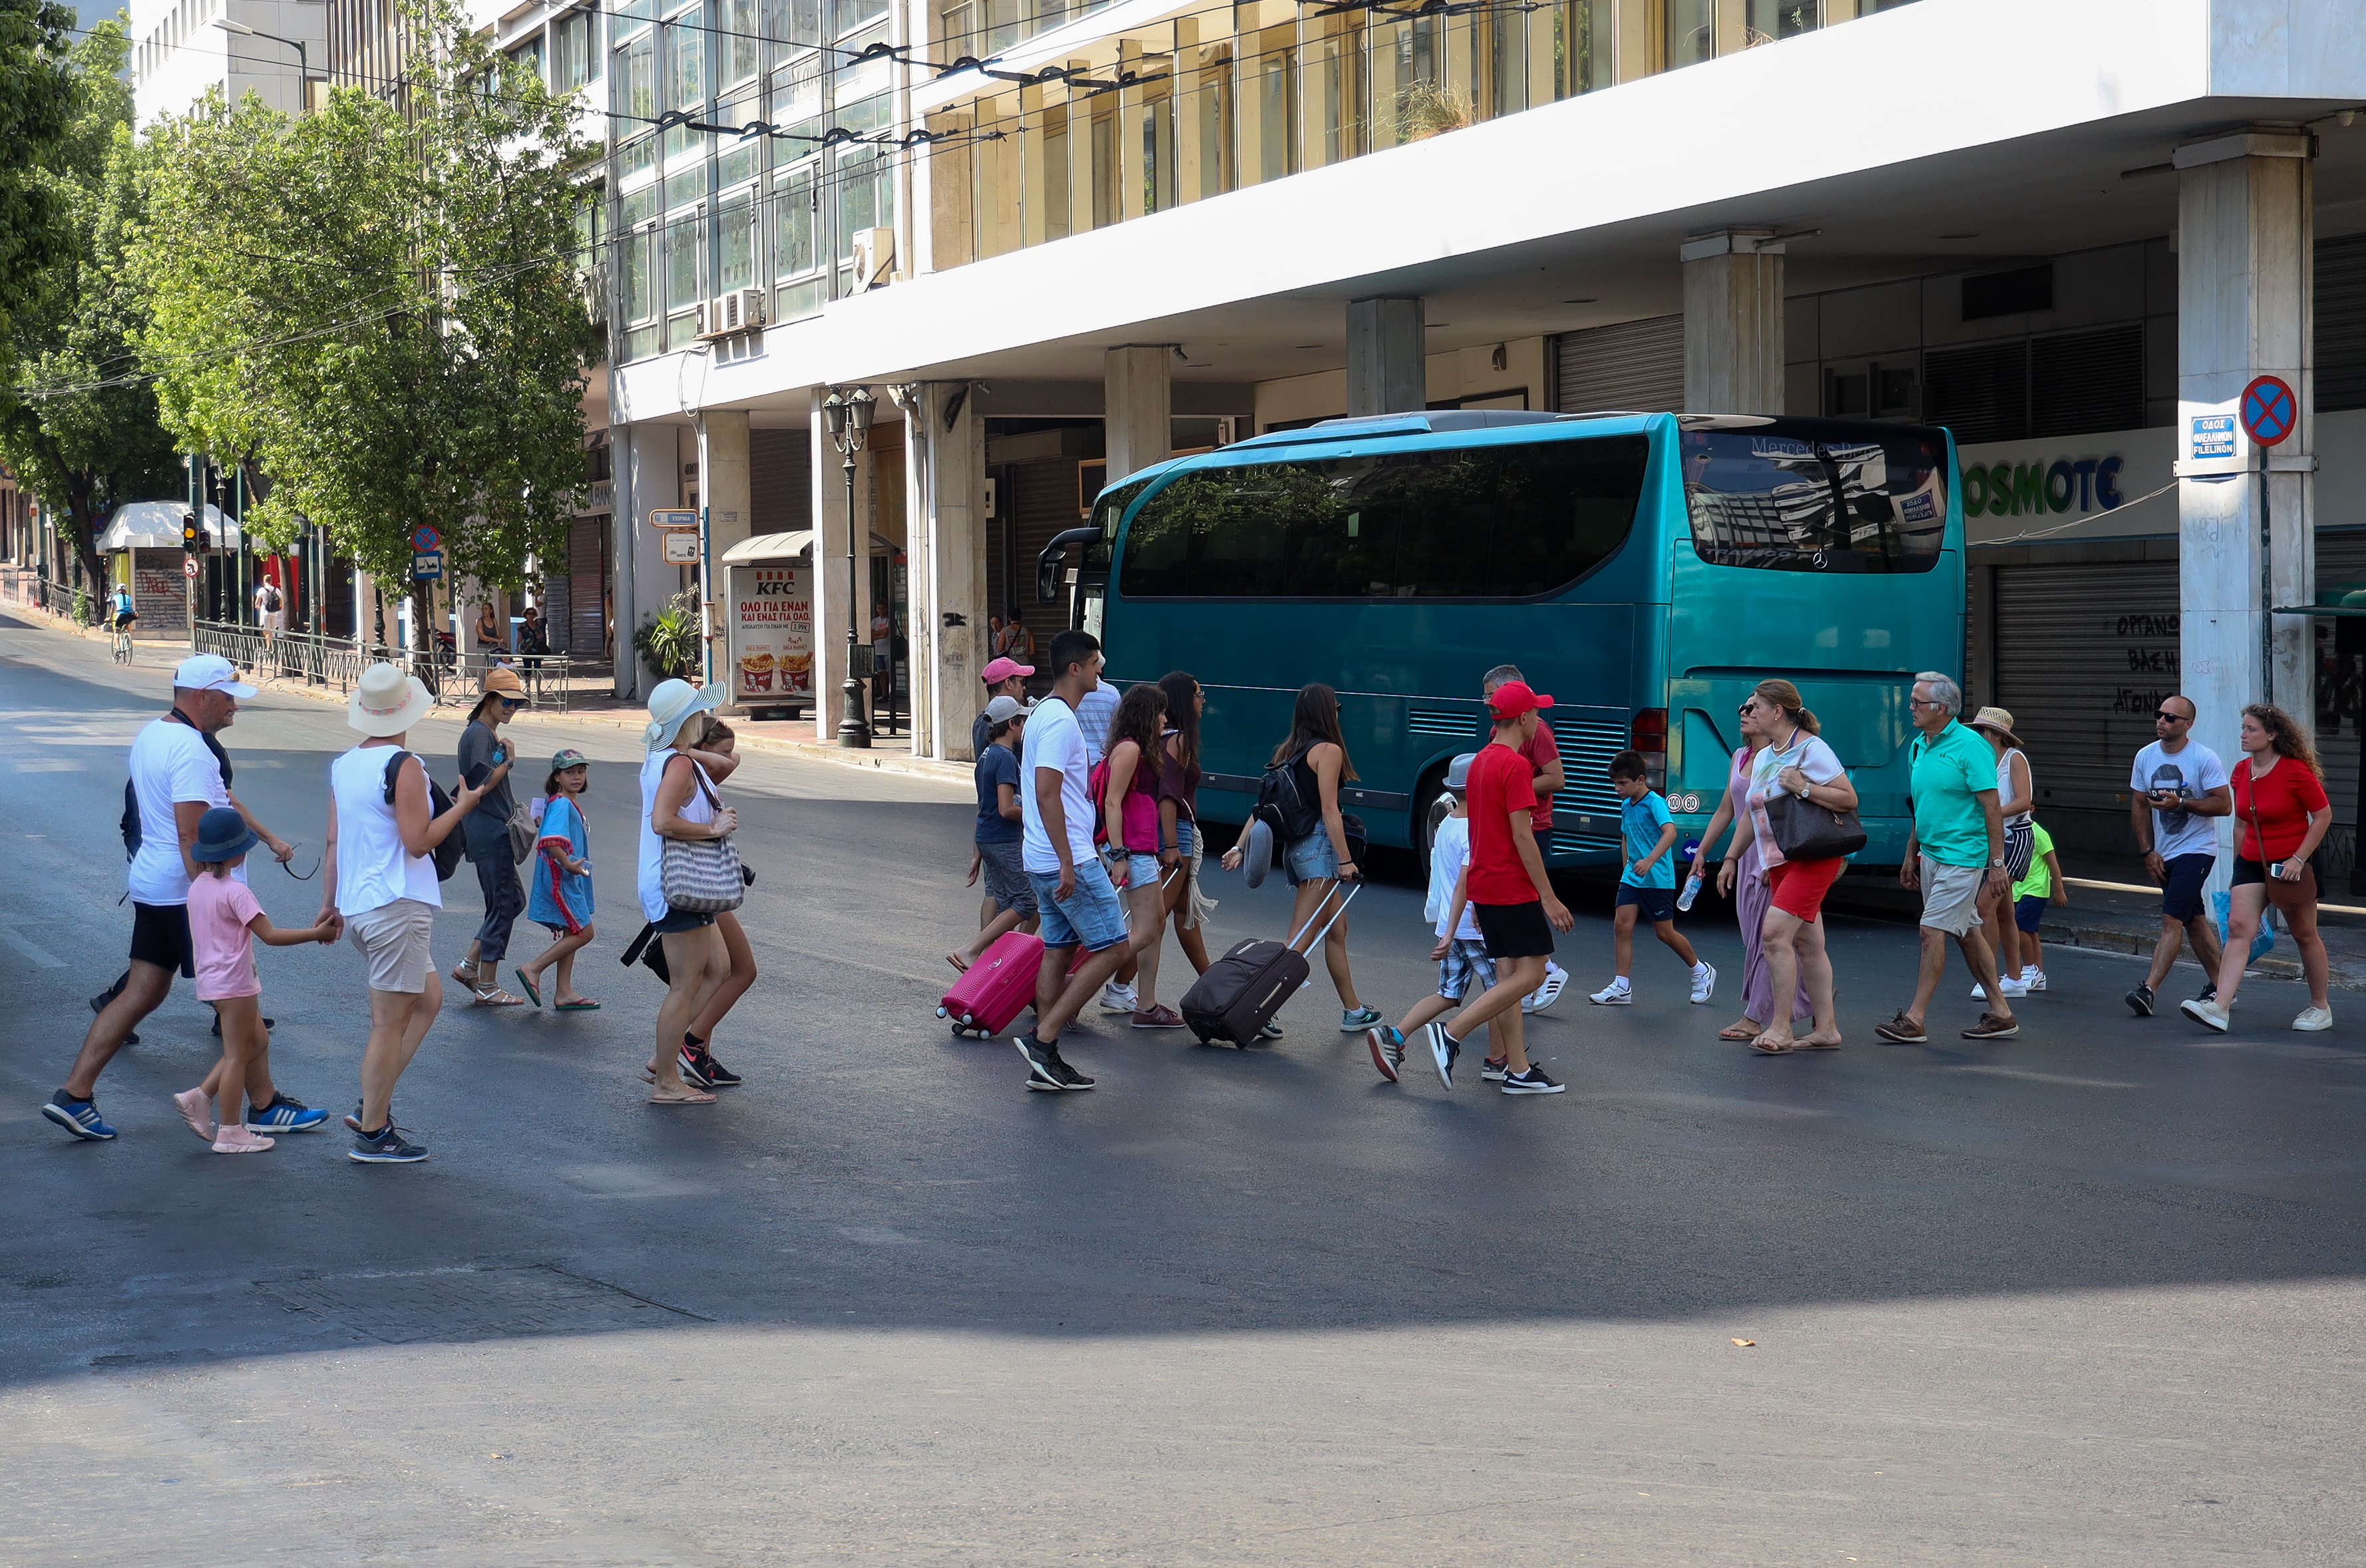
[1505, 887]
[1542, 754]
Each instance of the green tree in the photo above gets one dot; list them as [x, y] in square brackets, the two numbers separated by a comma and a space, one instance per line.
[81, 429]
[381, 304]
[37, 95]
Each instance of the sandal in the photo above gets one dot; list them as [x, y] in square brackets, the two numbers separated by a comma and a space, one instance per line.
[961, 965]
[582, 1004]
[688, 1095]
[1816, 1042]
[531, 989]
[1744, 1030]
[1766, 1047]
[460, 973]
[494, 997]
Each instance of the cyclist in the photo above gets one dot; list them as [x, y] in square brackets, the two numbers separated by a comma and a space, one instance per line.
[124, 617]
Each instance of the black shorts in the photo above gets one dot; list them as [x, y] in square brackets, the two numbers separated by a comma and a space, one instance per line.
[2251, 873]
[160, 935]
[1656, 903]
[1515, 931]
[2181, 896]
[123, 621]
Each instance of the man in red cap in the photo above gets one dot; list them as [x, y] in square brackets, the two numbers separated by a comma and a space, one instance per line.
[1505, 887]
[1003, 678]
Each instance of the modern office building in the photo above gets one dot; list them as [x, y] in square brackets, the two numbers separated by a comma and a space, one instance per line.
[181, 48]
[1059, 243]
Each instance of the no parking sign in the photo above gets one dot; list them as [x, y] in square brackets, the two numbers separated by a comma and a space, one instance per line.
[2269, 410]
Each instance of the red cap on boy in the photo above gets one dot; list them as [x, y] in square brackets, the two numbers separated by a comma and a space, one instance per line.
[1513, 698]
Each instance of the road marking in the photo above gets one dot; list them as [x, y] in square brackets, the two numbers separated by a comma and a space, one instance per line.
[40, 958]
[2063, 1078]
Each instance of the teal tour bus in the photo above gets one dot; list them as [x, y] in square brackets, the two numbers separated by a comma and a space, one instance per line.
[1646, 570]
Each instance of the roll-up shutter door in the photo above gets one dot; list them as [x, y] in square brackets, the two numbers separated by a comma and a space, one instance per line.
[2340, 563]
[1044, 501]
[1634, 365]
[557, 603]
[780, 480]
[2340, 308]
[2085, 650]
[587, 585]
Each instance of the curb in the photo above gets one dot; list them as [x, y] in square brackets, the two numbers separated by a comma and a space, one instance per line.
[2279, 963]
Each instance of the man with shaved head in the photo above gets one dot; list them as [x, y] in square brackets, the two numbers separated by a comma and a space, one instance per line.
[2177, 791]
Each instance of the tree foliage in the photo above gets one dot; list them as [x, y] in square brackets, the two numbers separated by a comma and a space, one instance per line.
[37, 97]
[79, 426]
[380, 303]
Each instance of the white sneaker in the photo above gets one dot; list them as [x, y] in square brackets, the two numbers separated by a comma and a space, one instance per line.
[1118, 998]
[2034, 979]
[1617, 994]
[2310, 1019]
[2016, 986]
[1544, 996]
[1703, 983]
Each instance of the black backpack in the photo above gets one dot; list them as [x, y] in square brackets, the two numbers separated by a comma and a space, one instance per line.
[1283, 806]
[447, 854]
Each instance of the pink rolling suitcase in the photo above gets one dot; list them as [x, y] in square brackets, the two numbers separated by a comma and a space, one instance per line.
[996, 989]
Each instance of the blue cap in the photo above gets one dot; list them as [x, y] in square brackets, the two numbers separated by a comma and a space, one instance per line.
[222, 834]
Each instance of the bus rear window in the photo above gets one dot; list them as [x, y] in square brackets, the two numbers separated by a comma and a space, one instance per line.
[1804, 495]
[1487, 522]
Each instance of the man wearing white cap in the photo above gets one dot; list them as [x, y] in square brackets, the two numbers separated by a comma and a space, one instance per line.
[178, 773]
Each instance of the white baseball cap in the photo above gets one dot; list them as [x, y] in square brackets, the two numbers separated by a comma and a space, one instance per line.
[211, 672]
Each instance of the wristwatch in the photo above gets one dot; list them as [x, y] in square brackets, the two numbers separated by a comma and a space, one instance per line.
[1996, 864]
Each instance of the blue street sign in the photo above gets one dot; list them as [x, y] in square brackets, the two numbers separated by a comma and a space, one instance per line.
[427, 566]
[425, 540]
[2214, 436]
[2270, 411]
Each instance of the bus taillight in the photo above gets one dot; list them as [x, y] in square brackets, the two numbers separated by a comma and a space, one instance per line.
[1648, 735]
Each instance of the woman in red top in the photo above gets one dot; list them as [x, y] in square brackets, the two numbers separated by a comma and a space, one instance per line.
[2280, 818]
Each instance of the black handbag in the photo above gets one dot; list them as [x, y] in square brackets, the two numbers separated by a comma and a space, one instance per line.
[1804, 830]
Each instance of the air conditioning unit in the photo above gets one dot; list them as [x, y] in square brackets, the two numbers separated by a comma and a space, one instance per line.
[727, 315]
[874, 258]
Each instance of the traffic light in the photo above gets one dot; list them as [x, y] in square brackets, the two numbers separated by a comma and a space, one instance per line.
[190, 537]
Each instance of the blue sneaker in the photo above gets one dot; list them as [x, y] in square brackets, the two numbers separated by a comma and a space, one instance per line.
[1357, 1021]
[79, 1117]
[389, 1147]
[285, 1115]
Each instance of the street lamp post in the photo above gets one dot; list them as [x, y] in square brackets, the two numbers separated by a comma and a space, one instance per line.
[303, 60]
[847, 414]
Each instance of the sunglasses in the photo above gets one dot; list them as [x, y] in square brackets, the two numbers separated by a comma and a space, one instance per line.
[511, 702]
[2172, 717]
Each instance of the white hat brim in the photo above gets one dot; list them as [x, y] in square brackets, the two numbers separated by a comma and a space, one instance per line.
[416, 706]
[660, 733]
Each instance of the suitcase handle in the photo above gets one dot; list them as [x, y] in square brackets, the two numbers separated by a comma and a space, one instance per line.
[1353, 889]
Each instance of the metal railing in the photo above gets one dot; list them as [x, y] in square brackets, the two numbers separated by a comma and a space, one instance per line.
[339, 662]
[77, 605]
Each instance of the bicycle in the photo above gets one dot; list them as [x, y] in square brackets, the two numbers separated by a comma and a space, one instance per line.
[122, 639]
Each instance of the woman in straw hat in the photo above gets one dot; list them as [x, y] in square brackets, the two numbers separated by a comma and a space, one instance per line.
[2017, 798]
[485, 761]
[679, 801]
[378, 876]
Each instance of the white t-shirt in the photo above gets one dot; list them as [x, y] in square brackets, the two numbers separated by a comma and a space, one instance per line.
[1810, 756]
[1448, 856]
[169, 763]
[1053, 741]
[2195, 771]
[1095, 709]
[697, 809]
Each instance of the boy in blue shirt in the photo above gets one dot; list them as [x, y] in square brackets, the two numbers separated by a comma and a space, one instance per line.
[1648, 883]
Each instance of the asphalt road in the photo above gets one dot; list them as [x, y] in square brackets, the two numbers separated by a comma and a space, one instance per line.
[2088, 1297]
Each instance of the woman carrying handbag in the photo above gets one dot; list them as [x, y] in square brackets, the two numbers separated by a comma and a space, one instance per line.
[689, 874]
[1802, 819]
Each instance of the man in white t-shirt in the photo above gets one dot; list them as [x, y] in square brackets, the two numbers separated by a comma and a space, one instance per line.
[269, 609]
[2177, 791]
[1073, 892]
[176, 777]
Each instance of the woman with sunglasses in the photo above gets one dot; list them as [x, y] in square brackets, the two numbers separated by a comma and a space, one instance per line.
[1741, 876]
[485, 761]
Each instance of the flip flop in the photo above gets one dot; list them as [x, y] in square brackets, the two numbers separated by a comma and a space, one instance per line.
[687, 1096]
[575, 1006]
[1735, 1031]
[1777, 1048]
[955, 959]
[531, 989]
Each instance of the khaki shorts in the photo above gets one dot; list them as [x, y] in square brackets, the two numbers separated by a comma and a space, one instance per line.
[393, 937]
[1951, 895]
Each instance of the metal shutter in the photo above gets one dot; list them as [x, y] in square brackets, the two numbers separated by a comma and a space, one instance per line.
[1044, 499]
[2341, 562]
[2342, 324]
[2084, 652]
[2087, 381]
[558, 599]
[1980, 392]
[780, 480]
[1634, 365]
[587, 587]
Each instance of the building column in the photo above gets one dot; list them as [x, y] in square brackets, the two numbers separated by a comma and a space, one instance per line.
[1137, 407]
[1733, 322]
[829, 572]
[723, 494]
[2245, 516]
[944, 477]
[1387, 371]
[649, 475]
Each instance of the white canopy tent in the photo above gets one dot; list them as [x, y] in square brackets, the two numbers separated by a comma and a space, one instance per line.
[156, 525]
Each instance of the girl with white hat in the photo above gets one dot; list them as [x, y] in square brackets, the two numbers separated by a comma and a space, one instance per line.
[377, 875]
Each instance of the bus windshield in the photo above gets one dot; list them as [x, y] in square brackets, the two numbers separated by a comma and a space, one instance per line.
[1800, 495]
[1508, 520]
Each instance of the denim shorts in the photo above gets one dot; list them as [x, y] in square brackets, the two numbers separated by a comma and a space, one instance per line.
[1183, 836]
[1465, 961]
[1090, 917]
[1312, 859]
[1141, 870]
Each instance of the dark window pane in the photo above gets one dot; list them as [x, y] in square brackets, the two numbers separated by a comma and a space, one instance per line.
[1481, 522]
[1807, 495]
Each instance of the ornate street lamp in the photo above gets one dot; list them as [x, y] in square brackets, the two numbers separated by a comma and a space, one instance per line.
[846, 412]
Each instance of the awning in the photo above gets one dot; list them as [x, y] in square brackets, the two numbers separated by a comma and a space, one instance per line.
[794, 545]
[156, 525]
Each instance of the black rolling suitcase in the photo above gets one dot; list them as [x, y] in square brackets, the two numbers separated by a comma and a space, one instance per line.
[1241, 991]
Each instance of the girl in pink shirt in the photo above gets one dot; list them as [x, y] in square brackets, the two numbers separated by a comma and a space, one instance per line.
[224, 919]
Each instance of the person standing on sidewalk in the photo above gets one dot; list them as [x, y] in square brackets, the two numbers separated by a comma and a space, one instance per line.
[485, 761]
[2177, 787]
[376, 876]
[179, 772]
[2282, 816]
[1954, 852]
[1542, 754]
[1073, 893]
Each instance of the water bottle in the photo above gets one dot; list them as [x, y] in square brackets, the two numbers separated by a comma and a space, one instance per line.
[1692, 890]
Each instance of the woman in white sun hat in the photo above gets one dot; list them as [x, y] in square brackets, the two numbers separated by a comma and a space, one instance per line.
[377, 875]
[679, 803]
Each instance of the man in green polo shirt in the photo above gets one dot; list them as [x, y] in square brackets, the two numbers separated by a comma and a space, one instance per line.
[1955, 848]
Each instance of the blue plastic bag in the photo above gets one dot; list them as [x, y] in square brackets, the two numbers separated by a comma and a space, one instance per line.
[2262, 942]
